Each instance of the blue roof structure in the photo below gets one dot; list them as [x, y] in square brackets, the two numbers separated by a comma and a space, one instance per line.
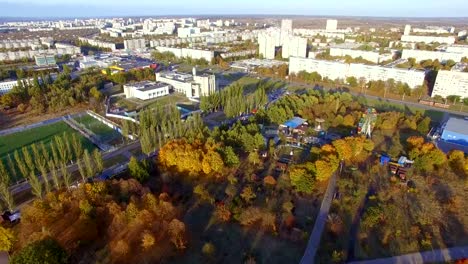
[294, 122]
[456, 131]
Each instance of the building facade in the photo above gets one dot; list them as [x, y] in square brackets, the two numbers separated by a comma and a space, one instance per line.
[332, 25]
[134, 44]
[266, 46]
[456, 131]
[208, 55]
[294, 46]
[190, 85]
[372, 56]
[420, 55]
[428, 39]
[339, 70]
[451, 83]
[146, 90]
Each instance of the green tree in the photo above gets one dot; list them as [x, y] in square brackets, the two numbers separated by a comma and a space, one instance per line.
[36, 185]
[137, 170]
[43, 251]
[352, 81]
[5, 193]
[230, 158]
[88, 164]
[254, 158]
[98, 160]
[54, 174]
[65, 175]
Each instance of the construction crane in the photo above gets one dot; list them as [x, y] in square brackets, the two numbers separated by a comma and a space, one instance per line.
[367, 122]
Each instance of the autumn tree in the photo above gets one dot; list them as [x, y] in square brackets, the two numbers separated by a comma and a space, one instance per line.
[302, 178]
[7, 239]
[426, 155]
[176, 230]
[203, 193]
[179, 156]
[222, 213]
[248, 194]
[147, 240]
[327, 164]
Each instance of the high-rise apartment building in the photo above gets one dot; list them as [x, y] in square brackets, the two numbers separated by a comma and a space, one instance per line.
[294, 46]
[407, 30]
[266, 46]
[332, 25]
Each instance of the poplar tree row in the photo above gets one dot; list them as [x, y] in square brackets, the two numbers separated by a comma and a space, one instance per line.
[233, 100]
[159, 125]
[35, 162]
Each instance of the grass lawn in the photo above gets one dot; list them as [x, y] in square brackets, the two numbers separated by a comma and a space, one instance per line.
[167, 100]
[388, 106]
[97, 127]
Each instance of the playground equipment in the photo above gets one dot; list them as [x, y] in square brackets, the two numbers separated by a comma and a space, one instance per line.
[367, 122]
[319, 124]
[398, 168]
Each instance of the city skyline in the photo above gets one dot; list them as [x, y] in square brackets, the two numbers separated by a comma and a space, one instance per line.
[105, 8]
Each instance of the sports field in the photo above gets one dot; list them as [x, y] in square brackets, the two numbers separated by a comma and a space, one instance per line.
[12, 142]
[104, 132]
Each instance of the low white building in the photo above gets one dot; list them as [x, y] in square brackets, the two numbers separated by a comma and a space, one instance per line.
[6, 86]
[99, 43]
[191, 85]
[451, 83]
[428, 39]
[208, 55]
[146, 90]
[339, 70]
[372, 56]
[420, 55]
[463, 49]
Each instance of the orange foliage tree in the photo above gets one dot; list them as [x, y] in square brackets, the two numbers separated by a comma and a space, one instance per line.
[121, 214]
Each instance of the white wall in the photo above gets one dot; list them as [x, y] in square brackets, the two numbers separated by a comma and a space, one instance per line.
[451, 83]
[338, 70]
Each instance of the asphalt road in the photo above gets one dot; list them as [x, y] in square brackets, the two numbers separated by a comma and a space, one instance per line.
[439, 256]
[320, 221]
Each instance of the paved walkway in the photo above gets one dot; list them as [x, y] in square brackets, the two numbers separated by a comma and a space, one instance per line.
[441, 255]
[315, 237]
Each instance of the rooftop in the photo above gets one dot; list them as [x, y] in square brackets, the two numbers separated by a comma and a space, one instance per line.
[294, 122]
[457, 125]
[183, 77]
[147, 85]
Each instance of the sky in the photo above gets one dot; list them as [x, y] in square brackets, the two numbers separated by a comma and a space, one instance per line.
[105, 8]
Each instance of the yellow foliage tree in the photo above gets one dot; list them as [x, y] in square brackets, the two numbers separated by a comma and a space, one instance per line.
[7, 238]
